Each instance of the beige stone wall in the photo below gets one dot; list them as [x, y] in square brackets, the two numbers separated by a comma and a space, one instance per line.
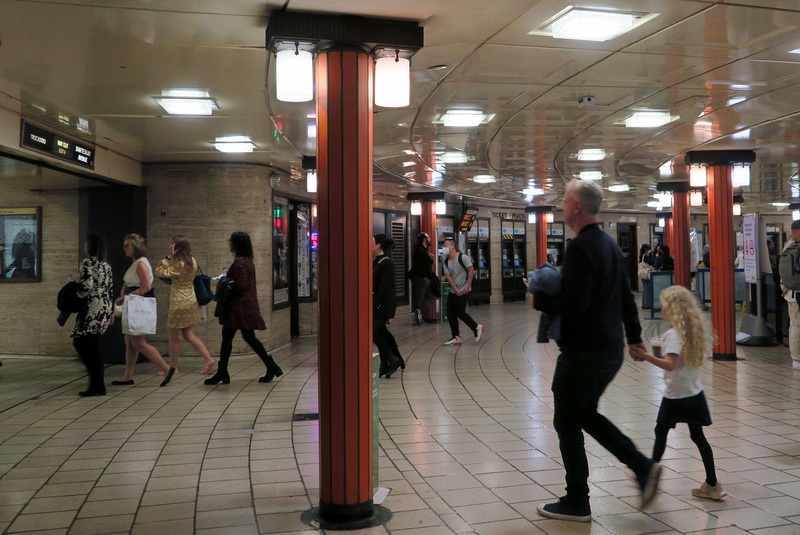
[206, 203]
[28, 310]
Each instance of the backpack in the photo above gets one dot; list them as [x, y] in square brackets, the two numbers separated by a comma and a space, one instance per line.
[789, 267]
[460, 261]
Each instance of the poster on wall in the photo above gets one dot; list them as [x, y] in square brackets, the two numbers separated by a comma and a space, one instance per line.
[303, 251]
[280, 251]
[20, 244]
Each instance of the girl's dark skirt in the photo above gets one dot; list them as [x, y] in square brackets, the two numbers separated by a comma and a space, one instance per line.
[691, 410]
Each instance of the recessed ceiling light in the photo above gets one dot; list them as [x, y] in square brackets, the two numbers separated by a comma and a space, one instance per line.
[665, 169]
[452, 157]
[234, 144]
[186, 102]
[464, 118]
[736, 100]
[742, 134]
[619, 187]
[591, 175]
[592, 24]
[437, 67]
[591, 155]
[780, 204]
[648, 119]
[795, 51]
[484, 179]
[653, 204]
[532, 191]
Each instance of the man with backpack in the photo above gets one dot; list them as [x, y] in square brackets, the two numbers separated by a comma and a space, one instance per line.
[459, 273]
[789, 268]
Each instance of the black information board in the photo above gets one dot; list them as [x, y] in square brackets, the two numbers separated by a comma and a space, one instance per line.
[37, 138]
[467, 220]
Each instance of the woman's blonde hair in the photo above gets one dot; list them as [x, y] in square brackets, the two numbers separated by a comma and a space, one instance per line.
[689, 323]
[138, 243]
[183, 253]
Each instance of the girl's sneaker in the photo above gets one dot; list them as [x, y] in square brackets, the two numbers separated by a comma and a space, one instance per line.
[707, 491]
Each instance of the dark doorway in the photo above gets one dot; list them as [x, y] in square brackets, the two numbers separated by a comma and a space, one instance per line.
[626, 238]
[113, 213]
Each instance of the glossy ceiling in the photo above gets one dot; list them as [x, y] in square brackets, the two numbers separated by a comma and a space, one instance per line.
[719, 67]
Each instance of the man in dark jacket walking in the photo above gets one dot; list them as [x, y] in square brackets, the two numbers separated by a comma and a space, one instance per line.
[421, 271]
[594, 303]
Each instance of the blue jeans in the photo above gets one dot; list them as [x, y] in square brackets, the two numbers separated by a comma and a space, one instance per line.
[579, 381]
[647, 293]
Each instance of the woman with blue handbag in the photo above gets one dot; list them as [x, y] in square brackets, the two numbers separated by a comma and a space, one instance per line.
[180, 269]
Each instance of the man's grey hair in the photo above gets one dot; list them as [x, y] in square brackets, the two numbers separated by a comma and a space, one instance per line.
[588, 193]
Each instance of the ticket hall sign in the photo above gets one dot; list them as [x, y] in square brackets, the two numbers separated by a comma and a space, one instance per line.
[62, 148]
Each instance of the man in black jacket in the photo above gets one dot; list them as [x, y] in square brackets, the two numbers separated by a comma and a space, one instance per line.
[421, 271]
[594, 303]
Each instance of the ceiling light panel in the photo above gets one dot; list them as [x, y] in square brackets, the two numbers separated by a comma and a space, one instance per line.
[648, 119]
[464, 118]
[591, 155]
[586, 24]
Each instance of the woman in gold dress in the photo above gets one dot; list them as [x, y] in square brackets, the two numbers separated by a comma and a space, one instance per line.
[180, 268]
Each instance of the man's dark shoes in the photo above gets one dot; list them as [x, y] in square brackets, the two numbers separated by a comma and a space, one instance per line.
[561, 510]
[648, 483]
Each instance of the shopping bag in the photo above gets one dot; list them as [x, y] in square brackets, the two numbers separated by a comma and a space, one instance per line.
[139, 315]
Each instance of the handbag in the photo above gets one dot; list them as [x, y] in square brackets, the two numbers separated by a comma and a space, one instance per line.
[202, 288]
[139, 315]
[644, 270]
[436, 285]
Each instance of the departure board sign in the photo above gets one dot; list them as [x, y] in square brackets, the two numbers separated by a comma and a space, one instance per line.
[467, 220]
[36, 138]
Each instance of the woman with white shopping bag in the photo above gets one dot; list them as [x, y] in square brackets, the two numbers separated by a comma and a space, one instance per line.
[138, 315]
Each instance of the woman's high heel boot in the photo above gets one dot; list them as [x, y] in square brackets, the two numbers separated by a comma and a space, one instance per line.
[219, 377]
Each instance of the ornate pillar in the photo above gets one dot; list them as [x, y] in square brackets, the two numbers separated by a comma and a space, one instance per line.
[680, 239]
[720, 230]
[427, 224]
[541, 238]
[344, 167]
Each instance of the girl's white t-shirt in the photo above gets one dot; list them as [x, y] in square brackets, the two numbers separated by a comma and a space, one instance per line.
[683, 381]
[131, 277]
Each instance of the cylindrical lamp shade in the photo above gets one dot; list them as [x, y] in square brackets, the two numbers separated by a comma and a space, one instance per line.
[441, 207]
[311, 182]
[294, 75]
[416, 208]
[696, 198]
[697, 176]
[392, 82]
[737, 209]
[548, 218]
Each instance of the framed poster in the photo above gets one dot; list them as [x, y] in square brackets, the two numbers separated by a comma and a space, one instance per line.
[21, 244]
[280, 251]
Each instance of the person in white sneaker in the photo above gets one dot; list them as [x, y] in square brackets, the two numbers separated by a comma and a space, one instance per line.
[791, 294]
[683, 351]
[459, 272]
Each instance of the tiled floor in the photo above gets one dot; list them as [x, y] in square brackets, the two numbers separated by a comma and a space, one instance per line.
[467, 444]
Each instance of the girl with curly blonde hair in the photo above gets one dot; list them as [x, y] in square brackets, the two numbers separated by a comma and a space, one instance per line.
[683, 350]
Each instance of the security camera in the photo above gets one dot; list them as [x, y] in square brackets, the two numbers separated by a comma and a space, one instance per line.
[586, 101]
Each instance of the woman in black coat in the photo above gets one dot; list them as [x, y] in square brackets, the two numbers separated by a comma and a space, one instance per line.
[243, 313]
[384, 305]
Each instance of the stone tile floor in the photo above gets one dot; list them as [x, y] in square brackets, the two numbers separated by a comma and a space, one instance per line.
[467, 444]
